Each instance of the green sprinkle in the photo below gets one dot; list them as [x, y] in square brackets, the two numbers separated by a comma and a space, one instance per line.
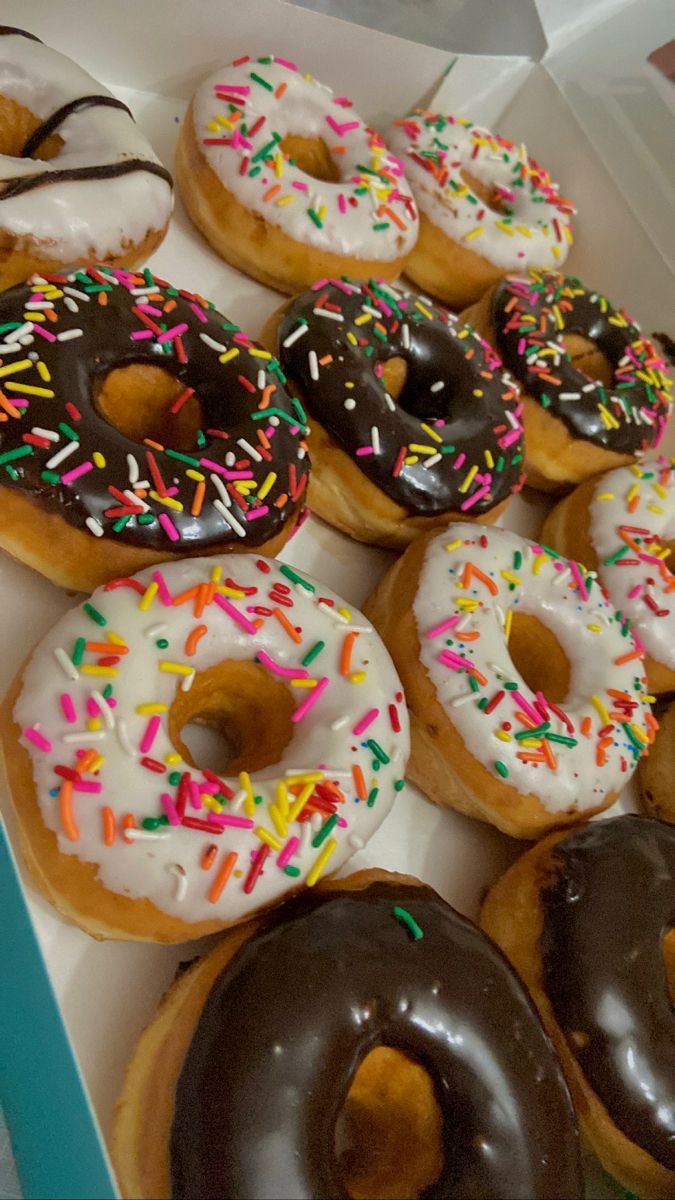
[276, 412]
[473, 684]
[50, 476]
[148, 277]
[564, 741]
[154, 822]
[68, 432]
[174, 778]
[94, 614]
[292, 871]
[107, 691]
[502, 769]
[162, 644]
[409, 921]
[381, 225]
[327, 827]
[12, 472]
[313, 653]
[261, 81]
[78, 652]
[372, 797]
[291, 574]
[517, 560]
[615, 557]
[315, 218]
[483, 703]
[378, 751]
[193, 462]
[146, 518]
[538, 732]
[119, 525]
[399, 785]
[20, 452]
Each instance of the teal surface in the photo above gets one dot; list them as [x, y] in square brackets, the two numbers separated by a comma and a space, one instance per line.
[56, 1142]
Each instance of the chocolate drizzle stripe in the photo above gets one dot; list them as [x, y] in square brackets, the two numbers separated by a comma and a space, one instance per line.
[11, 30]
[606, 911]
[28, 183]
[57, 118]
[302, 1003]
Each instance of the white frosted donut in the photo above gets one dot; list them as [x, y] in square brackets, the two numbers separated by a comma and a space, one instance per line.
[517, 220]
[104, 195]
[105, 683]
[541, 763]
[241, 115]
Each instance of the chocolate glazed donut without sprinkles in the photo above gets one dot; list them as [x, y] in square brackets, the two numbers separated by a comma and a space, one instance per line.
[299, 1007]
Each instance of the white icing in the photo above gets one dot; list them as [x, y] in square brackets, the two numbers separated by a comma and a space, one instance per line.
[535, 232]
[588, 632]
[613, 528]
[77, 218]
[322, 740]
[306, 108]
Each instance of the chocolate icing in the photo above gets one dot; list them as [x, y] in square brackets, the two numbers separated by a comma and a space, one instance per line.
[465, 427]
[302, 1003]
[606, 912]
[231, 411]
[525, 312]
[66, 110]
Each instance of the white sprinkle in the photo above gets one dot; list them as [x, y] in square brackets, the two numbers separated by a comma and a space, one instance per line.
[222, 490]
[249, 449]
[463, 699]
[355, 841]
[231, 520]
[350, 403]
[305, 837]
[316, 821]
[589, 387]
[569, 395]
[237, 802]
[181, 880]
[324, 312]
[134, 499]
[187, 681]
[63, 453]
[132, 464]
[260, 379]
[293, 337]
[212, 343]
[313, 365]
[20, 332]
[339, 723]
[70, 304]
[431, 462]
[16, 347]
[230, 458]
[142, 291]
[405, 336]
[69, 669]
[38, 305]
[512, 419]
[374, 312]
[94, 526]
[375, 438]
[560, 577]
[437, 386]
[85, 735]
[389, 402]
[69, 334]
[50, 434]
[106, 711]
[147, 835]
[154, 631]
[71, 291]
[123, 737]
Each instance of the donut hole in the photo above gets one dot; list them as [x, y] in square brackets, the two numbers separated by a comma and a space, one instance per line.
[389, 1134]
[311, 156]
[586, 356]
[394, 377]
[235, 717]
[415, 400]
[17, 126]
[487, 193]
[138, 399]
[539, 658]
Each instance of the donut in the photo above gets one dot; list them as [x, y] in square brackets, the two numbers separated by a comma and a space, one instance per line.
[286, 181]
[157, 848]
[656, 774]
[138, 424]
[79, 183]
[526, 692]
[485, 207]
[622, 525]
[292, 1019]
[586, 919]
[595, 389]
[413, 420]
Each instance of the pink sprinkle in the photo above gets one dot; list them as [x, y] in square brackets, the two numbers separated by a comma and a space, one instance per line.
[169, 527]
[285, 672]
[364, 450]
[365, 721]
[577, 576]
[342, 101]
[256, 512]
[288, 851]
[68, 708]
[509, 438]
[522, 345]
[71, 476]
[199, 312]
[475, 498]
[170, 334]
[301, 187]
[149, 735]
[150, 308]
[320, 283]
[92, 707]
[141, 335]
[242, 88]
[438, 629]
[45, 333]
[283, 62]
[162, 589]
[231, 820]
[455, 661]
[233, 612]
[169, 808]
[342, 203]
[526, 707]
[88, 785]
[34, 736]
[635, 591]
[459, 461]
[195, 795]
[341, 130]
[304, 708]
[214, 466]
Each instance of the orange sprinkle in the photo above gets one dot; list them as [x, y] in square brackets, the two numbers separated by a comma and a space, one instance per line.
[185, 596]
[281, 500]
[267, 395]
[51, 315]
[280, 91]
[478, 676]
[339, 150]
[148, 441]
[272, 192]
[128, 822]
[525, 720]
[328, 358]
[385, 211]
[193, 637]
[467, 637]
[472, 570]
[224, 872]
[169, 306]
[285, 624]
[549, 755]
[198, 498]
[106, 648]
[633, 504]
[531, 756]
[86, 761]
[8, 406]
[103, 298]
[208, 857]
[346, 655]
[108, 825]
[618, 695]
[359, 782]
[586, 726]
[618, 662]
[66, 811]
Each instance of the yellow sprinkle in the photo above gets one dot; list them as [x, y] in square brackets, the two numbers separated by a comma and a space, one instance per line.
[304, 683]
[94, 724]
[308, 777]
[473, 233]
[14, 368]
[299, 804]
[594, 628]
[412, 458]
[489, 459]
[278, 820]
[174, 668]
[503, 735]
[224, 590]
[107, 672]
[468, 480]
[211, 802]
[168, 501]
[284, 201]
[600, 709]
[510, 577]
[96, 765]
[268, 483]
[196, 475]
[28, 390]
[320, 864]
[526, 232]
[436, 437]
[568, 233]
[655, 508]
[278, 165]
[422, 309]
[43, 371]
[258, 353]
[212, 126]
[351, 337]
[555, 251]
[344, 612]
[617, 319]
[507, 623]
[558, 316]
[282, 798]
[358, 677]
[146, 710]
[660, 491]
[116, 638]
[363, 319]
[539, 562]
[216, 573]
[505, 228]
[605, 496]
[453, 545]
[99, 460]
[249, 802]
[148, 596]
[228, 355]
[477, 392]
[466, 604]
[641, 737]
[267, 837]
[172, 759]
[422, 449]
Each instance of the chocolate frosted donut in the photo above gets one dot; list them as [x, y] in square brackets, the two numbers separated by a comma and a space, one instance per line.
[583, 365]
[387, 469]
[299, 1006]
[195, 447]
[601, 901]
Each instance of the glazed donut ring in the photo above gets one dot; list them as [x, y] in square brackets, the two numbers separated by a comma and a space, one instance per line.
[311, 710]
[387, 468]
[470, 617]
[138, 430]
[595, 388]
[586, 919]
[485, 207]
[656, 774]
[79, 183]
[622, 525]
[287, 182]
[398, 954]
